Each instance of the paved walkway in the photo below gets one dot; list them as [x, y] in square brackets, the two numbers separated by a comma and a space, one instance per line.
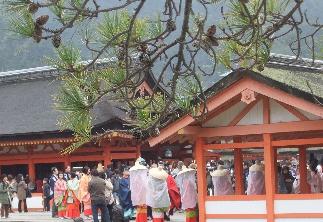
[46, 217]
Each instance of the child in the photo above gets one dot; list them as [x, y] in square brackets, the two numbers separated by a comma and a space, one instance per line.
[46, 194]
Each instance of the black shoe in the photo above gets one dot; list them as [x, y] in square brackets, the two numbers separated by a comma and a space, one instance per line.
[166, 218]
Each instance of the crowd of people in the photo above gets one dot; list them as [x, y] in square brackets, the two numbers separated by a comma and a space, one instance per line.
[147, 191]
[144, 191]
[221, 177]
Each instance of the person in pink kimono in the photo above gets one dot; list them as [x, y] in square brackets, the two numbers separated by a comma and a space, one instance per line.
[187, 186]
[222, 181]
[59, 195]
[256, 179]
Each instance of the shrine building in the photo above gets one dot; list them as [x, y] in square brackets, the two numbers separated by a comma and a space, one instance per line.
[272, 115]
[269, 116]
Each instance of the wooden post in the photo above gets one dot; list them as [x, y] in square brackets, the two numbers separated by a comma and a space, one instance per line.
[238, 171]
[304, 187]
[201, 177]
[31, 170]
[67, 161]
[275, 170]
[269, 176]
[138, 151]
[107, 155]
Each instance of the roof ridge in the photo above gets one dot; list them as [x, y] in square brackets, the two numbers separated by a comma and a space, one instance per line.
[45, 72]
[290, 61]
[42, 72]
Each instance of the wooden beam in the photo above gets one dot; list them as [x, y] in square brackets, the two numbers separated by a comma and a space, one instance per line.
[243, 113]
[298, 142]
[243, 145]
[293, 111]
[266, 110]
[171, 130]
[298, 126]
[121, 156]
[87, 158]
[123, 149]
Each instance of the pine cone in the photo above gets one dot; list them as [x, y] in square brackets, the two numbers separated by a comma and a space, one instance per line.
[56, 41]
[155, 132]
[260, 67]
[33, 8]
[38, 33]
[42, 20]
[142, 48]
[211, 31]
[171, 26]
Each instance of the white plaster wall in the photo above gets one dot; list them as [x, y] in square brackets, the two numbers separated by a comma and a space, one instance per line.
[299, 220]
[254, 116]
[226, 117]
[280, 114]
[236, 207]
[34, 202]
[237, 220]
[309, 115]
[299, 206]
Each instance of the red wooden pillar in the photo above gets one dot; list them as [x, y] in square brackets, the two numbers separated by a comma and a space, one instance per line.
[31, 170]
[238, 171]
[107, 155]
[269, 176]
[201, 177]
[67, 161]
[138, 151]
[275, 170]
[304, 187]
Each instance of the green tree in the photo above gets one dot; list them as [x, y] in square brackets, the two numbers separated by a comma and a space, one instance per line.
[183, 41]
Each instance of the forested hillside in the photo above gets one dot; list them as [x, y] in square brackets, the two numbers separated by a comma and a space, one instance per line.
[23, 53]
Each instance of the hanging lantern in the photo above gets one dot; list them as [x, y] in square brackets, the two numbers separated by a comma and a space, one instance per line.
[168, 153]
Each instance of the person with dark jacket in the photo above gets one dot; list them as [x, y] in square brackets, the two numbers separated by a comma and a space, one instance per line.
[46, 194]
[288, 179]
[52, 181]
[67, 173]
[96, 189]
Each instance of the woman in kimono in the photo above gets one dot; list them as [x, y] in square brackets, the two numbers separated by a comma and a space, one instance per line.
[222, 181]
[138, 188]
[59, 195]
[84, 194]
[157, 193]
[73, 203]
[187, 186]
[256, 179]
[314, 178]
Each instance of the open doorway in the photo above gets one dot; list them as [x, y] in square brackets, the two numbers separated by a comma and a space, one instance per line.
[15, 169]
